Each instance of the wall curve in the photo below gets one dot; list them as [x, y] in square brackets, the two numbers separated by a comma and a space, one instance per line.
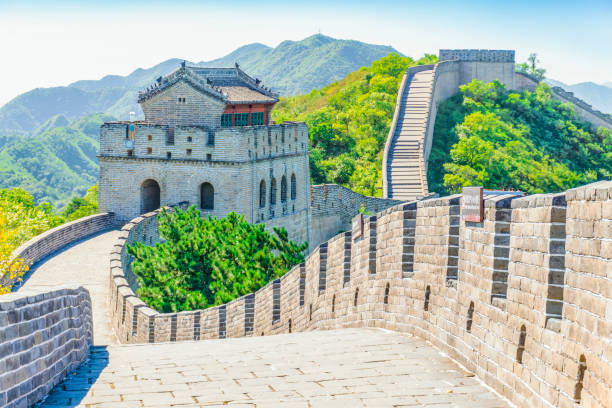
[56, 238]
[478, 291]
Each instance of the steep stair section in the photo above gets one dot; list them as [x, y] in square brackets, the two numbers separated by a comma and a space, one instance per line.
[405, 175]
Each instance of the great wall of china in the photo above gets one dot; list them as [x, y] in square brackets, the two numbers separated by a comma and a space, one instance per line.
[522, 300]
[424, 87]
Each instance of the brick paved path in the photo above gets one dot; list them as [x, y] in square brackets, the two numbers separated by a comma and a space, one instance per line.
[345, 368]
[85, 263]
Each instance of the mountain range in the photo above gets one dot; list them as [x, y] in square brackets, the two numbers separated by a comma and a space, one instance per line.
[293, 67]
[56, 162]
[598, 96]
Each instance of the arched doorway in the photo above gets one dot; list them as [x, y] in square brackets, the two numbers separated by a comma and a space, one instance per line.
[207, 196]
[149, 196]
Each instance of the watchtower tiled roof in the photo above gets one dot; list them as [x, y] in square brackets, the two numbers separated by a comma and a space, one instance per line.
[232, 85]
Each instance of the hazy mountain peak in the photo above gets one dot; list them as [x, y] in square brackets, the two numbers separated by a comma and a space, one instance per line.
[293, 67]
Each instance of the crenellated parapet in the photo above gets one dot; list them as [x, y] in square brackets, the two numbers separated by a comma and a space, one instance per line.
[523, 292]
[477, 55]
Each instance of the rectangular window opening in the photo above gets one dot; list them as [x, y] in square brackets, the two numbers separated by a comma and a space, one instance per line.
[257, 118]
[242, 119]
[226, 120]
[170, 136]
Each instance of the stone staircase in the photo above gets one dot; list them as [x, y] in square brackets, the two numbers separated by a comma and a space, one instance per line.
[406, 172]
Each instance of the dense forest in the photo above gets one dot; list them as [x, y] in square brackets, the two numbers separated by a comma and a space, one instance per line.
[209, 261]
[498, 138]
[349, 121]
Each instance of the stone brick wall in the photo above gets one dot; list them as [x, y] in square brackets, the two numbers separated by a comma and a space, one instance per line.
[198, 108]
[53, 240]
[43, 337]
[493, 295]
[240, 159]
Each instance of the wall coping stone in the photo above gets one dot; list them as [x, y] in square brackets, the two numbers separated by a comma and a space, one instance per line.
[541, 200]
[499, 201]
[440, 201]
[600, 190]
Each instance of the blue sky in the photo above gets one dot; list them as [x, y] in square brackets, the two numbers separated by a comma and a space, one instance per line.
[56, 43]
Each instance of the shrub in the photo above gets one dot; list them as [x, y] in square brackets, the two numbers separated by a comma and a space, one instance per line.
[209, 261]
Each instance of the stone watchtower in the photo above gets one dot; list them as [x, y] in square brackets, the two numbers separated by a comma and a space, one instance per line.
[207, 140]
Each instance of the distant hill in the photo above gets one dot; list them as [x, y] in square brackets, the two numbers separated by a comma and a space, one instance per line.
[598, 96]
[56, 162]
[291, 68]
[297, 67]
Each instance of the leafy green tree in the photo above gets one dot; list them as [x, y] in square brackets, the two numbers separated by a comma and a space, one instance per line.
[20, 220]
[349, 122]
[209, 261]
[531, 67]
[501, 139]
[79, 207]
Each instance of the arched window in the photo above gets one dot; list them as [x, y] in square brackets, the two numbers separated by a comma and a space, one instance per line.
[579, 381]
[470, 314]
[521, 346]
[262, 194]
[207, 196]
[149, 196]
[284, 189]
[273, 192]
[293, 187]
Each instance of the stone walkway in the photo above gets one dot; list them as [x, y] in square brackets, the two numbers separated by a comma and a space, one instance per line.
[347, 368]
[85, 263]
[339, 368]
